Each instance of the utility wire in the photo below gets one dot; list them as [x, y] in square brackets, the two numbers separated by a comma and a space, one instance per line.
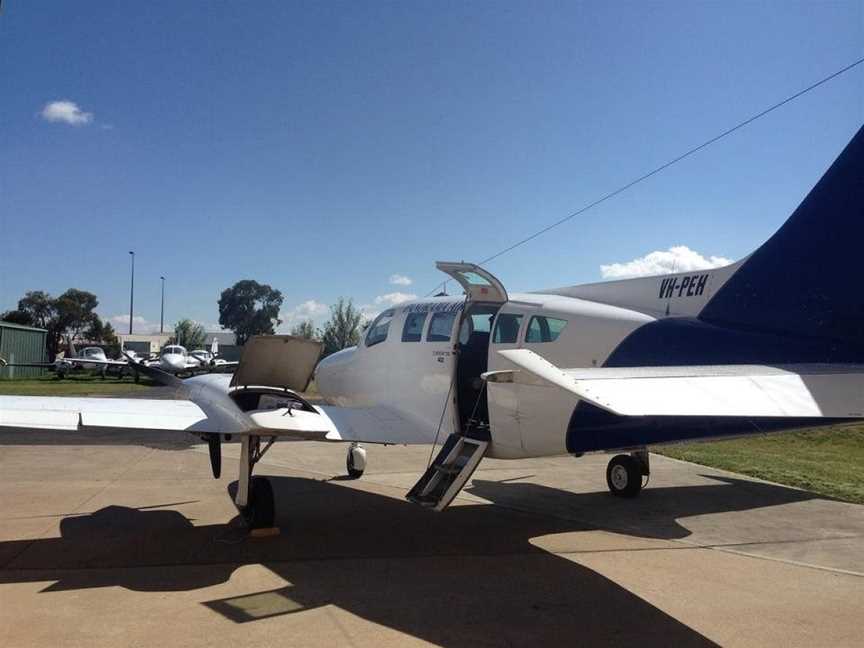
[664, 166]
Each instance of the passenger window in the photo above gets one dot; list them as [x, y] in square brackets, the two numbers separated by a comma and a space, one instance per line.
[476, 323]
[413, 327]
[378, 331]
[440, 327]
[544, 329]
[507, 328]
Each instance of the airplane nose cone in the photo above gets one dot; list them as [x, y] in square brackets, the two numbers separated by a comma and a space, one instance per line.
[174, 362]
[330, 376]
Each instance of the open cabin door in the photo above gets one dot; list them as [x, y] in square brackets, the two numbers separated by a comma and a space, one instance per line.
[462, 451]
[479, 284]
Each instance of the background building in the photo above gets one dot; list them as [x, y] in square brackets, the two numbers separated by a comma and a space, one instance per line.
[142, 344]
[22, 344]
[228, 349]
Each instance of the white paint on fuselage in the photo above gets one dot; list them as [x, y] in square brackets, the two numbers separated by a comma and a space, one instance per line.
[681, 294]
[403, 387]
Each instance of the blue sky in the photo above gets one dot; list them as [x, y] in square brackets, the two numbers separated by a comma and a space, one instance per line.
[325, 147]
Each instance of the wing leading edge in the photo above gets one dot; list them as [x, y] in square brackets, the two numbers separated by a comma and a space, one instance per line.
[825, 390]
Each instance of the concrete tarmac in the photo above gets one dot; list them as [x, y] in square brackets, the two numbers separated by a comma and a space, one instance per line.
[126, 540]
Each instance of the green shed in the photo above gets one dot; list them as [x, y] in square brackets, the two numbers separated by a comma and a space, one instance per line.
[21, 344]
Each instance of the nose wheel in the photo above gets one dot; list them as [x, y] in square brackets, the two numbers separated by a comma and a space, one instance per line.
[355, 462]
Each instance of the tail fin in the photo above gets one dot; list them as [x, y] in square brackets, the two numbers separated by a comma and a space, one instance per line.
[806, 280]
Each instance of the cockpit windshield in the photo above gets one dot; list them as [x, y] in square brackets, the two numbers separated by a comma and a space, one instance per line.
[173, 350]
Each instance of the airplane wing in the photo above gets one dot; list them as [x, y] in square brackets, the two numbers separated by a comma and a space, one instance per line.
[106, 414]
[199, 406]
[98, 363]
[803, 390]
[67, 413]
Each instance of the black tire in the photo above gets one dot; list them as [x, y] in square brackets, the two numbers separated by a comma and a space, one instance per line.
[624, 476]
[260, 512]
[353, 473]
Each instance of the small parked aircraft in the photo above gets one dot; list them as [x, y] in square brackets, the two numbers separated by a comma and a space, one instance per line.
[88, 358]
[175, 359]
[773, 342]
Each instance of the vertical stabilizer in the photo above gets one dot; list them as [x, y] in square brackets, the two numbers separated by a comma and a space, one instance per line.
[806, 280]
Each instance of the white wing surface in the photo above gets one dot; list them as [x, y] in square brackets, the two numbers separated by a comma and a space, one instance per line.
[64, 413]
[96, 362]
[814, 390]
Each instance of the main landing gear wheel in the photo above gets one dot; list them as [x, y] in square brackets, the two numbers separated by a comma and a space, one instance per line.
[624, 476]
[355, 462]
[259, 513]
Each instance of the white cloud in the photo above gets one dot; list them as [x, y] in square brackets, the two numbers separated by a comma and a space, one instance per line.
[368, 312]
[400, 280]
[678, 258]
[391, 299]
[309, 309]
[139, 324]
[67, 112]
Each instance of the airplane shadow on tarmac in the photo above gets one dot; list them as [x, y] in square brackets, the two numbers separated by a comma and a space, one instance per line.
[468, 576]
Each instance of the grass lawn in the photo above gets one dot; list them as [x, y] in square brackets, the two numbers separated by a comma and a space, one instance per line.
[829, 461]
[74, 385]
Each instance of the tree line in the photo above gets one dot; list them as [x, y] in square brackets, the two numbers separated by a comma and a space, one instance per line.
[247, 308]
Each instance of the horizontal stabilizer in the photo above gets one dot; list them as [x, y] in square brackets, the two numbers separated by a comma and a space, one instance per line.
[803, 390]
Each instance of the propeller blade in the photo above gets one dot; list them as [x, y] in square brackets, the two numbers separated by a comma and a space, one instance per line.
[214, 441]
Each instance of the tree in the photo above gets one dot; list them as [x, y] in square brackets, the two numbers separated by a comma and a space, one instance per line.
[75, 313]
[249, 308]
[40, 307]
[342, 329]
[17, 317]
[190, 334]
[304, 329]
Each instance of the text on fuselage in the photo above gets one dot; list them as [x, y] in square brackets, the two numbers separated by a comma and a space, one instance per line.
[689, 286]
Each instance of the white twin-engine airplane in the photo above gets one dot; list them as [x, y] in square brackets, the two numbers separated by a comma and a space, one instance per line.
[175, 359]
[773, 342]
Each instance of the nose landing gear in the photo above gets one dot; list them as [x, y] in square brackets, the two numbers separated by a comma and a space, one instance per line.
[625, 472]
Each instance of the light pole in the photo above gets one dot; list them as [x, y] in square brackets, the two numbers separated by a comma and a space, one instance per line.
[131, 292]
[162, 313]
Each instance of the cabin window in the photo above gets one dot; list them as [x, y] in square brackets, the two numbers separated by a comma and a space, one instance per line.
[477, 322]
[378, 331]
[507, 328]
[440, 327]
[544, 329]
[413, 327]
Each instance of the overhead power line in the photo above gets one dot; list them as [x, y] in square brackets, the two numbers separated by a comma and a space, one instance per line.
[665, 165]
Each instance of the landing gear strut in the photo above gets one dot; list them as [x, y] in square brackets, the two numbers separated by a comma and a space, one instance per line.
[254, 494]
[355, 462]
[624, 473]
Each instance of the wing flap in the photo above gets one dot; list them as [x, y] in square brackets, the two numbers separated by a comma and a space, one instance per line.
[830, 391]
